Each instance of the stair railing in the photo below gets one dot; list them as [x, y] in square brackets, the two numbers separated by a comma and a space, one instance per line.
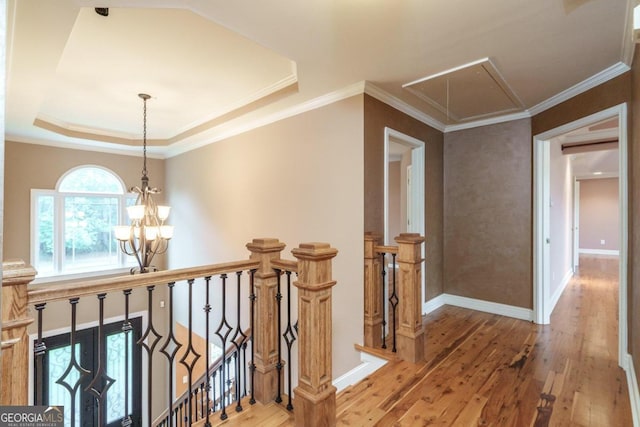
[253, 342]
[393, 295]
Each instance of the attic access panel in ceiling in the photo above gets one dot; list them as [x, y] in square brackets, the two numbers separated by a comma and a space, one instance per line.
[469, 92]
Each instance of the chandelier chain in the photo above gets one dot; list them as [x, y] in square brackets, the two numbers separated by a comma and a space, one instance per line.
[144, 138]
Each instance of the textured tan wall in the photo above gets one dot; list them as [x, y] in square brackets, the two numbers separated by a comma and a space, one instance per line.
[488, 211]
[606, 95]
[599, 214]
[377, 115]
[30, 166]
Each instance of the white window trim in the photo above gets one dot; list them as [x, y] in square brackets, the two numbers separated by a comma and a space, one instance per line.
[58, 200]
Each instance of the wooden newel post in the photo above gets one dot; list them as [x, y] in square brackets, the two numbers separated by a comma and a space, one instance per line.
[410, 331]
[16, 275]
[372, 292]
[315, 395]
[266, 334]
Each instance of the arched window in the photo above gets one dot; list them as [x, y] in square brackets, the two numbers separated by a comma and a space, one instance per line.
[72, 226]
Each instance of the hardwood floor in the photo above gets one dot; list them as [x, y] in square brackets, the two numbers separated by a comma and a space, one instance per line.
[488, 370]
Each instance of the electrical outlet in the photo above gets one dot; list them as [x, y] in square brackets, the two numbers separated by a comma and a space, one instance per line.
[185, 379]
[602, 242]
[162, 304]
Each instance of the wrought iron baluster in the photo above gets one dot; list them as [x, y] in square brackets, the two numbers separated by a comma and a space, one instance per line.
[149, 340]
[101, 382]
[289, 338]
[39, 350]
[214, 398]
[393, 300]
[228, 389]
[126, 328]
[207, 311]
[279, 317]
[190, 351]
[252, 298]
[171, 345]
[383, 300]
[243, 363]
[73, 364]
[238, 339]
[223, 331]
[204, 398]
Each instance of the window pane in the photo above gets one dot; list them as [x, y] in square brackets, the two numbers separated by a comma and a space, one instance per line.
[59, 359]
[44, 235]
[91, 180]
[115, 369]
[88, 226]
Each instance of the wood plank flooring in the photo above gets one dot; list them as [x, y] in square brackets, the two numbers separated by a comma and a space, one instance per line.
[488, 370]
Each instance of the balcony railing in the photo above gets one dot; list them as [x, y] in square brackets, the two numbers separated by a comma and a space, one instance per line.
[393, 296]
[237, 303]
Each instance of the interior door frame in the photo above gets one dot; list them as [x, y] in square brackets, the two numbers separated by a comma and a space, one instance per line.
[576, 225]
[541, 297]
[144, 374]
[417, 187]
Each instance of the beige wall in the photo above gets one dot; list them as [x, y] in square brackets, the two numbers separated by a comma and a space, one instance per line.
[599, 214]
[299, 180]
[31, 166]
[377, 115]
[36, 166]
[487, 210]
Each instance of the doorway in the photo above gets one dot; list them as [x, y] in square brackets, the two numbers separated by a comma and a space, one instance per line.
[404, 190]
[542, 304]
[63, 384]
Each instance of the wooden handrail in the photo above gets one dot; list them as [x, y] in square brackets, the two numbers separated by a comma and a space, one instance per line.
[383, 249]
[285, 265]
[42, 294]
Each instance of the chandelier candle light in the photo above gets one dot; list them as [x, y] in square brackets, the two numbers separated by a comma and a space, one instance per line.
[147, 235]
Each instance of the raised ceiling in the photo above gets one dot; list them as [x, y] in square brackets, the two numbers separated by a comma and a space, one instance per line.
[217, 67]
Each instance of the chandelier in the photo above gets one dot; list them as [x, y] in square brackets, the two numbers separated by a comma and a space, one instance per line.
[147, 234]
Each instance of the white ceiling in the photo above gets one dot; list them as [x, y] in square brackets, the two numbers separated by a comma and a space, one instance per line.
[215, 67]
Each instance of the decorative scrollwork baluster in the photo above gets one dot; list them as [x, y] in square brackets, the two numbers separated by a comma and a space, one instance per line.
[149, 340]
[238, 340]
[73, 365]
[171, 345]
[223, 331]
[194, 358]
[39, 350]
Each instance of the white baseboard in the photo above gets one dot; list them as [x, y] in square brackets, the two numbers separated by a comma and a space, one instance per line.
[480, 305]
[632, 383]
[558, 293]
[433, 304]
[599, 252]
[369, 365]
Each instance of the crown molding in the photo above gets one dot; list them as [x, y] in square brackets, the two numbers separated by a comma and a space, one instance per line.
[488, 122]
[362, 87]
[153, 152]
[231, 130]
[603, 76]
[384, 96]
[628, 36]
